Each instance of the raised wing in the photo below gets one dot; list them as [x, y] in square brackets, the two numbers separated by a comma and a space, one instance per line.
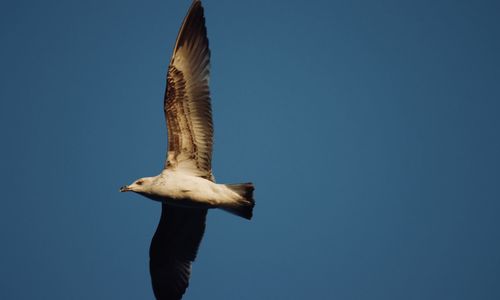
[187, 99]
[173, 249]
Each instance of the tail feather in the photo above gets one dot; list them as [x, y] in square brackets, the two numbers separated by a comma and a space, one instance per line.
[244, 206]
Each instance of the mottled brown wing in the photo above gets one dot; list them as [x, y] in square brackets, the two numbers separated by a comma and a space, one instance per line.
[187, 99]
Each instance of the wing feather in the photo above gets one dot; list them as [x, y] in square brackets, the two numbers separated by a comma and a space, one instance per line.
[187, 105]
[173, 249]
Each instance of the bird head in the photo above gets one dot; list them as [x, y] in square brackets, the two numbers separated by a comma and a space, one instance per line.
[140, 185]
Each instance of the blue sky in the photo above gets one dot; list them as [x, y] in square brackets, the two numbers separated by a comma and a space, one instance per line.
[370, 129]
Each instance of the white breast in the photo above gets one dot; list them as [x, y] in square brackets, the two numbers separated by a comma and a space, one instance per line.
[178, 185]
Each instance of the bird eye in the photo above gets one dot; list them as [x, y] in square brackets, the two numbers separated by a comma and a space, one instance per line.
[139, 182]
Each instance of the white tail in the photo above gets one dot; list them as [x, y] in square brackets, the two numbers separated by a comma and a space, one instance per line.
[244, 206]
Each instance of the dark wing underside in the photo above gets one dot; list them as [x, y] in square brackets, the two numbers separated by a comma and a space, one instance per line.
[189, 121]
[173, 249]
[187, 99]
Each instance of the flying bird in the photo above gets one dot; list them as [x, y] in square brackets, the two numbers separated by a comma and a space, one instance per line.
[186, 187]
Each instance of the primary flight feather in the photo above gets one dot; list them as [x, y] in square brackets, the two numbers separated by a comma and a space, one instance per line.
[186, 187]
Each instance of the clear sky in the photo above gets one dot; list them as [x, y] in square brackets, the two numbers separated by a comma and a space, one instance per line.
[370, 129]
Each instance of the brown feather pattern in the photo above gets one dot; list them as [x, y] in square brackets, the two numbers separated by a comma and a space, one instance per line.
[187, 105]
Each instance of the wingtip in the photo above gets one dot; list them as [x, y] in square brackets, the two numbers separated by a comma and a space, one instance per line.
[195, 2]
[195, 11]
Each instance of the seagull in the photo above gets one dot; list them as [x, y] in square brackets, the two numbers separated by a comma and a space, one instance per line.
[186, 186]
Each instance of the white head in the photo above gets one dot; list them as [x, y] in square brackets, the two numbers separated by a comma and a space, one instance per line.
[141, 185]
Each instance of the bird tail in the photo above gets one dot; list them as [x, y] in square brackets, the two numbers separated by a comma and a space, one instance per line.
[243, 207]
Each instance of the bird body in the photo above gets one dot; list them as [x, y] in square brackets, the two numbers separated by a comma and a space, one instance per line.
[180, 188]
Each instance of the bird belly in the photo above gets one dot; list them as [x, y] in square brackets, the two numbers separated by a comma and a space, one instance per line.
[195, 192]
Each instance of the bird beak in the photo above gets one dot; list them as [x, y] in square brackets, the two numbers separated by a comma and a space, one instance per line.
[124, 188]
